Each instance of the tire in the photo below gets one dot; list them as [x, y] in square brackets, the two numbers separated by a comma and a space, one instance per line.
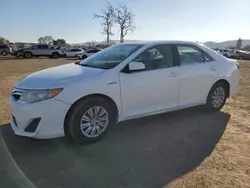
[55, 55]
[84, 57]
[4, 53]
[217, 97]
[28, 55]
[80, 116]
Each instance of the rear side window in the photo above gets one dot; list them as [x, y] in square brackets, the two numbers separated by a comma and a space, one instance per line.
[91, 51]
[191, 55]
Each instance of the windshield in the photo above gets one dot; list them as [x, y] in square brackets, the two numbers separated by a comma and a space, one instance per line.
[111, 57]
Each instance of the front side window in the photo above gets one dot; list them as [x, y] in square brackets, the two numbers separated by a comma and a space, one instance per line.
[111, 56]
[42, 46]
[157, 57]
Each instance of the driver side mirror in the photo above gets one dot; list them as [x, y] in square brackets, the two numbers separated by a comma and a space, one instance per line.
[135, 66]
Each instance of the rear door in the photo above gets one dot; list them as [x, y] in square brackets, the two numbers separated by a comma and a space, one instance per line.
[198, 73]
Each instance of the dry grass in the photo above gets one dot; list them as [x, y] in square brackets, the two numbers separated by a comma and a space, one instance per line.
[227, 166]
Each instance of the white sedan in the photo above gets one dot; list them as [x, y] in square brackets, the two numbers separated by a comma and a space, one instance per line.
[122, 82]
[87, 53]
[73, 52]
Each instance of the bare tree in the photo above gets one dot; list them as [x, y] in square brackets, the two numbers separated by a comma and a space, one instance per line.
[125, 19]
[107, 17]
[90, 44]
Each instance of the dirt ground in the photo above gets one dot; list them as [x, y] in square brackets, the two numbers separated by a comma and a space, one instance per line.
[226, 166]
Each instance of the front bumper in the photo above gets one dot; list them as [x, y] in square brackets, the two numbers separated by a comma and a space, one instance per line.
[48, 117]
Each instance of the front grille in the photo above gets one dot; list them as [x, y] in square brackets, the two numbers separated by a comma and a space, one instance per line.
[32, 125]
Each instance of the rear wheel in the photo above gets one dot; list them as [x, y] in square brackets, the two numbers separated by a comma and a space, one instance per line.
[84, 57]
[27, 55]
[90, 119]
[216, 97]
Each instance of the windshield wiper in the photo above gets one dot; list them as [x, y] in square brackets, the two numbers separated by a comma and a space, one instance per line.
[87, 65]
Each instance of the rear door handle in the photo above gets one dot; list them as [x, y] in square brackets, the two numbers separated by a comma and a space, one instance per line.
[173, 74]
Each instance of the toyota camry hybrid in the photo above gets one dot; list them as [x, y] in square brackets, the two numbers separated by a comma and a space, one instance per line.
[125, 81]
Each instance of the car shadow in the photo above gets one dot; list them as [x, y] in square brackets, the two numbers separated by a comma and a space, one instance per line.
[146, 152]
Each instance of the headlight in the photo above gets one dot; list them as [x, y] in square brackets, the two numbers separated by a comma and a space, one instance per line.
[38, 95]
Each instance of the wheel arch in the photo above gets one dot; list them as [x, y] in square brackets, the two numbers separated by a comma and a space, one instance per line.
[224, 82]
[109, 99]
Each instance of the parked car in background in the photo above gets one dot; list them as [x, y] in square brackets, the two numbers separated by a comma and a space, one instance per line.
[40, 50]
[5, 49]
[121, 82]
[244, 55]
[73, 52]
[87, 53]
[230, 53]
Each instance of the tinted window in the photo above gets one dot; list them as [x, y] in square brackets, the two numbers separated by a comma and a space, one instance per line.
[157, 57]
[42, 46]
[75, 50]
[91, 51]
[3, 46]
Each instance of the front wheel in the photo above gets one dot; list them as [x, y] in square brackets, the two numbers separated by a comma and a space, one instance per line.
[90, 119]
[216, 97]
[84, 57]
[27, 55]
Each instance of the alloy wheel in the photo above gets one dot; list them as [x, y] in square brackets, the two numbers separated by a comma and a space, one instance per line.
[94, 121]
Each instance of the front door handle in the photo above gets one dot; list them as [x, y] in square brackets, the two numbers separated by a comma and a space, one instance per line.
[173, 74]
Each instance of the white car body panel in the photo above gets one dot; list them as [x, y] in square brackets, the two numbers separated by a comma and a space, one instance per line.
[147, 96]
[135, 95]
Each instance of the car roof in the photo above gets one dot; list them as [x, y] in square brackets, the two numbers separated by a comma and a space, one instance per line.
[160, 42]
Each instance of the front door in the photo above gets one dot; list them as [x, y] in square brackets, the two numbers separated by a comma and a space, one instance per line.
[154, 89]
[197, 74]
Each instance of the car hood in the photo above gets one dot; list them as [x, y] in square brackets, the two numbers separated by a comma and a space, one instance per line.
[57, 76]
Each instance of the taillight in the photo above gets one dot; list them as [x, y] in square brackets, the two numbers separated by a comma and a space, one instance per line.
[238, 64]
